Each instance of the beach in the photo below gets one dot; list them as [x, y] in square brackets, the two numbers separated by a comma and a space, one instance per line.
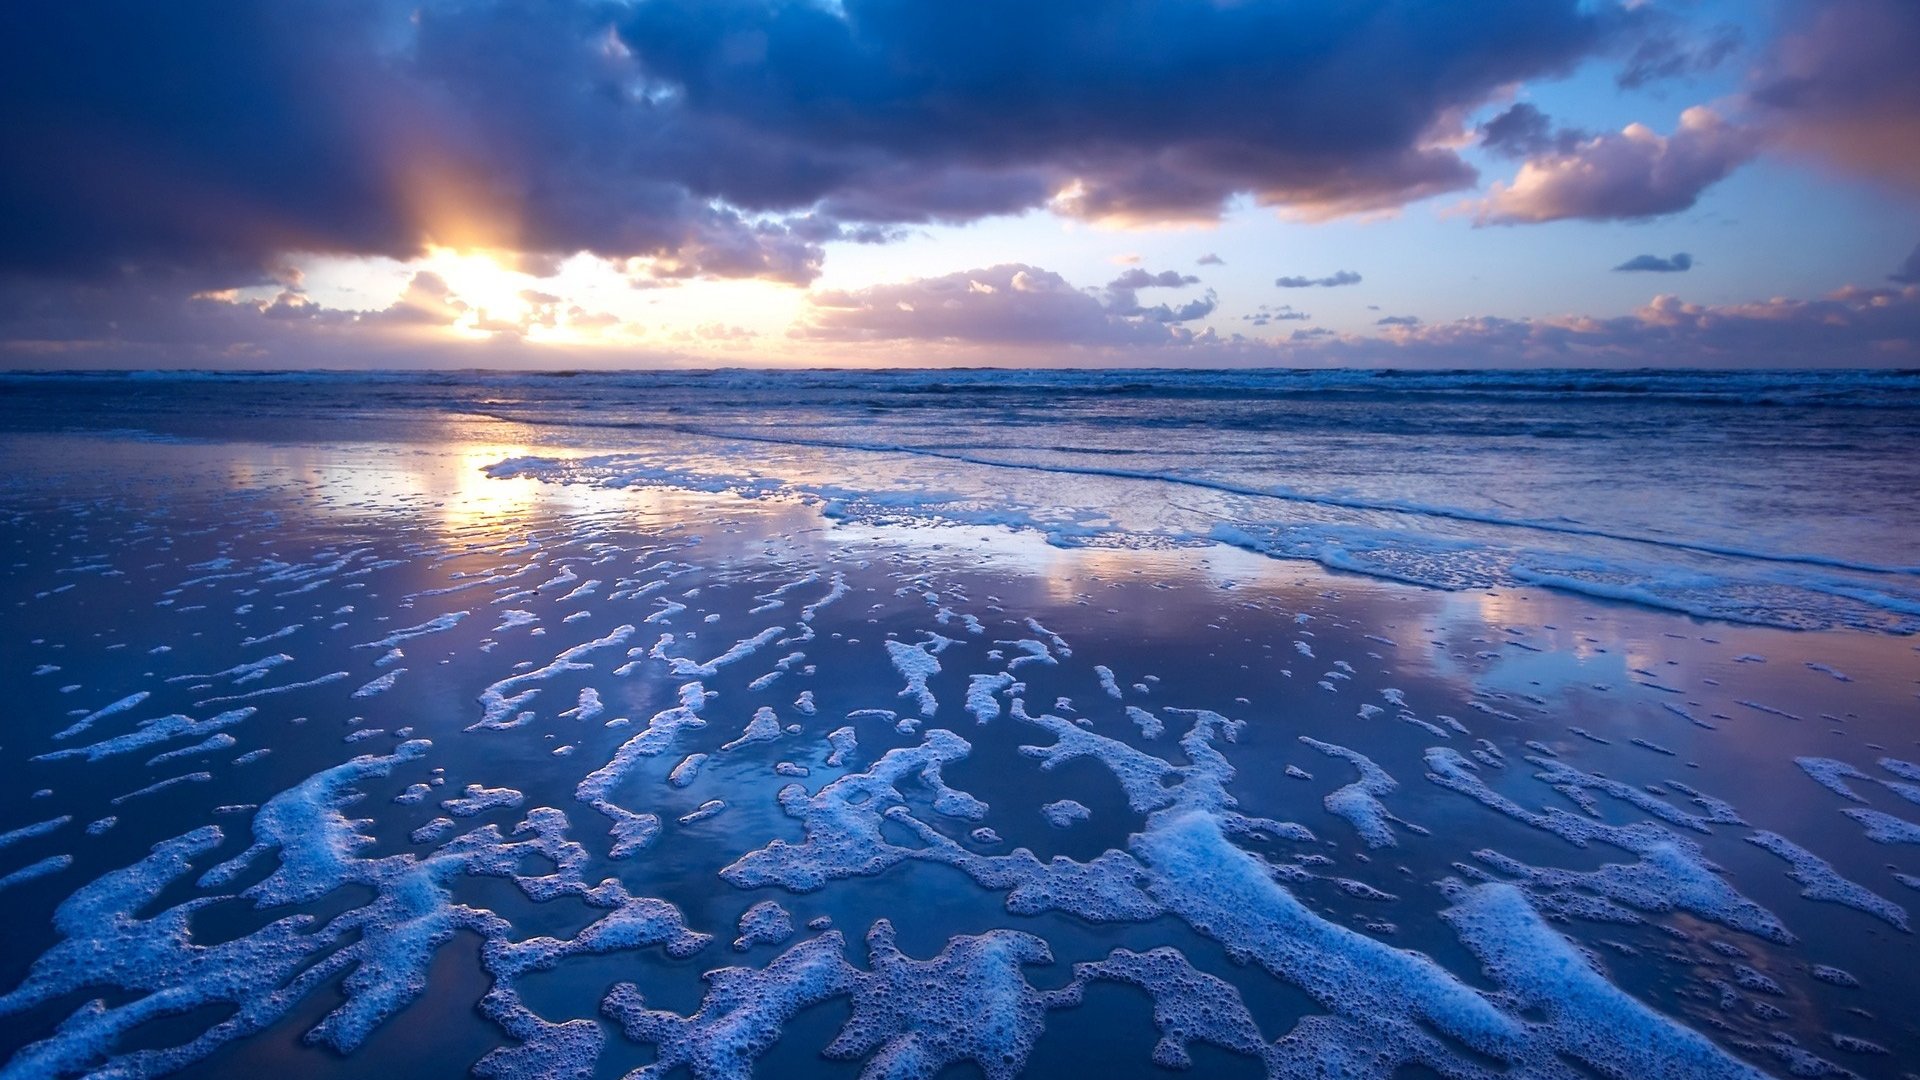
[852, 723]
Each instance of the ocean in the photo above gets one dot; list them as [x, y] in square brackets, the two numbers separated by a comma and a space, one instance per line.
[947, 723]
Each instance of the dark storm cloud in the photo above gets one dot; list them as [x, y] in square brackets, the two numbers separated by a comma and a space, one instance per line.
[1334, 280]
[214, 135]
[1679, 262]
[1159, 110]
[146, 132]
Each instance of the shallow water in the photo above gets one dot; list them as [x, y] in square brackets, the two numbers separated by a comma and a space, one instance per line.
[1582, 817]
[1786, 499]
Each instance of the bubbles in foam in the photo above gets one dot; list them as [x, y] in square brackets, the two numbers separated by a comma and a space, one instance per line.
[764, 923]
[1063, 813]
[1821, 881]
[917, 663]
[1359, 802]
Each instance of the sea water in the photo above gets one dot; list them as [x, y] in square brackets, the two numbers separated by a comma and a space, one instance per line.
[965, 723]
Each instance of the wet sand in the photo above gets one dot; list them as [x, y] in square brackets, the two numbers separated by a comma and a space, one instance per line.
[201, 547]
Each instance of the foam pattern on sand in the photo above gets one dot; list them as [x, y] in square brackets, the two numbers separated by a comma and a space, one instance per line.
[1359, 802]
[794, 778]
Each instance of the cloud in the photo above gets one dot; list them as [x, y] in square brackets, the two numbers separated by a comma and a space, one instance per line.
[155, 318]
[1909, 271]
[721, 137]
[723, 333]
[1017, 313]
[1123, 296]
[722, 243]
[1013, 314]
[427, 301]
[1012, 303]
[1137, 278]
[1266, 314]
[1123, 112]
[219, 141]
[1840, 87]
[1850, 327]
[1342, 277]
[1671, 52]
[1210, 259]
[1633, 174]
[816, 229]
[1678, 263]
[1523, 131]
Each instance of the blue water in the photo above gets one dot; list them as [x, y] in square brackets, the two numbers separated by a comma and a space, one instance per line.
[1779, 498]
[1496, 725]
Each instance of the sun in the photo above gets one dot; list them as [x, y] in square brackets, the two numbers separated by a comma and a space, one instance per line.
[493, 291]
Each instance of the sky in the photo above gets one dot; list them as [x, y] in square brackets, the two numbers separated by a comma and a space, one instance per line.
[1188, 183]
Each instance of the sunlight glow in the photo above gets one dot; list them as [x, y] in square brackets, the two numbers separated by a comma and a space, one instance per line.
[493, 293]
[581, 302]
